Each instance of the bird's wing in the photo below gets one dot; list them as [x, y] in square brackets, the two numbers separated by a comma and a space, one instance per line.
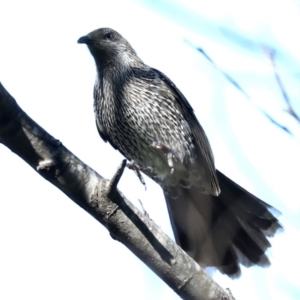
[203, 150]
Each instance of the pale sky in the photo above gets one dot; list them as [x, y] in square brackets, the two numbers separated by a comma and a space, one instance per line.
[52, 249]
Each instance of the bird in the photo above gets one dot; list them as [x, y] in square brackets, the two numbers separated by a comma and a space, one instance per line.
[144, 116]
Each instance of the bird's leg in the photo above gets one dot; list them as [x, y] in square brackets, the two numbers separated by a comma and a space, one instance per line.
[170, 161]
[136, 169]
[166, 150]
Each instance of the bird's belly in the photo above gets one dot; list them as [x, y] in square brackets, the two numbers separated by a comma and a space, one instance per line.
[140, 146]
[163, 154]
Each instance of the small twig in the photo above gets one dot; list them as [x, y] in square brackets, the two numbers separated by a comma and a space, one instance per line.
[143, 209]
[284, 128]
[227, 76]
[270, 53]
[112, 186]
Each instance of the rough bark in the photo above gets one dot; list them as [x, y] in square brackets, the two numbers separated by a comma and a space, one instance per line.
[101, 199]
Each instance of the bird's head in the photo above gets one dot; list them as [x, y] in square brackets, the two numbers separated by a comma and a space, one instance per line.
[108, 47]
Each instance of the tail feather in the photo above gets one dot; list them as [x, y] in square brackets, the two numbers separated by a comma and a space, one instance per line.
[223, 231]
[248, 207]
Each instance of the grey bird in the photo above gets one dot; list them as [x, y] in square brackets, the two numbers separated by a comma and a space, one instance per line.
[141, 113]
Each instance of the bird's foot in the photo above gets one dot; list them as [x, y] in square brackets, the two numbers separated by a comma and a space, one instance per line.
[137, 169]
[171, 154]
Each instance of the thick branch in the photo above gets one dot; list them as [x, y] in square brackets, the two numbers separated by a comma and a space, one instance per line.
[104, 202]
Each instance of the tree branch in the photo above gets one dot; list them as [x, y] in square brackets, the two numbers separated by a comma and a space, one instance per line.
[101, 199]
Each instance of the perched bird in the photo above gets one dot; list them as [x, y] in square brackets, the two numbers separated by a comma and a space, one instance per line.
[141, 113]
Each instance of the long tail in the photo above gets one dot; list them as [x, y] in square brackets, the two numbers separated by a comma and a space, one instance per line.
[223, 231]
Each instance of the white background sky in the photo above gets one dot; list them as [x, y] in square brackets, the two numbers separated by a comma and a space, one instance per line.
[52, 249]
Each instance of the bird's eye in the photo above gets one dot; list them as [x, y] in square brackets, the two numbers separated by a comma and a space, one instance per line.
[109, 36]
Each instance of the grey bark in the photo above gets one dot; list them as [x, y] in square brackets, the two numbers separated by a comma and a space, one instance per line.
[101, 199]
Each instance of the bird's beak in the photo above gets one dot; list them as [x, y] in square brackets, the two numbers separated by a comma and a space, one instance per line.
[85, 40]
